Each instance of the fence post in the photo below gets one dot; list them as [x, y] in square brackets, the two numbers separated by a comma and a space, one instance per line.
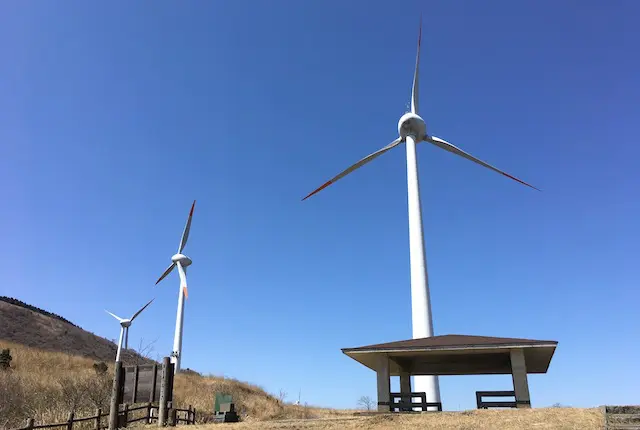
[193, 415]
[174, 417]
[154, 381]
[118, 379]
[165, 388]
[29, 424]
[136, 374]
[70, 421]
[149, 413]
[98, 416]
[125, 415]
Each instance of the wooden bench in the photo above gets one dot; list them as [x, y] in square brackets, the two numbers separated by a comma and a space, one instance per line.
[405, 402]
[499, 404]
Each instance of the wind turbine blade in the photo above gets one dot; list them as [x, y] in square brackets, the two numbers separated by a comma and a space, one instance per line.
[185, 233]
[360, 163]
[454, 149]
[183, 280]
[166, 272]
[115, 316]
[141, 309]
[126, 338]
[414, 90]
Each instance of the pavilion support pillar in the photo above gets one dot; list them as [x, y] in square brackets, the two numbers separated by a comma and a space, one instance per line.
[405, 386]
[384, 384]
[405, 382]
[519, 375]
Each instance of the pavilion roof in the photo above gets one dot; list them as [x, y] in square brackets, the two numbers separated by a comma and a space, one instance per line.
[455, 354]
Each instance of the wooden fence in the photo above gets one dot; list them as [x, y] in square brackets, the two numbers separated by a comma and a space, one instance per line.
[132, 384]
[189, 416]
[178, 416]
[98, 423]
[141, 385]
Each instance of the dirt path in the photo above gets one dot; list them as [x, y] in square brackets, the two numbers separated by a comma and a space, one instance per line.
[543, 419]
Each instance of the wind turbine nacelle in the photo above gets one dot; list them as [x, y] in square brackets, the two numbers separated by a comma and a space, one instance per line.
[411, 124]
[183, 259]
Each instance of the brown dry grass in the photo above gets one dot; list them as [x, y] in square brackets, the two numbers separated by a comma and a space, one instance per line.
[523, 419]
[252, 402]
[47, 385]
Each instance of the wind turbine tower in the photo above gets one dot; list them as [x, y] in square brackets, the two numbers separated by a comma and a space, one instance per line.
[180, 261]
[125, 323]
[413, 130]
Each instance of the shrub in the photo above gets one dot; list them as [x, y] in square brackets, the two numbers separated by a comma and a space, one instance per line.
[5, 359]
[100, 368]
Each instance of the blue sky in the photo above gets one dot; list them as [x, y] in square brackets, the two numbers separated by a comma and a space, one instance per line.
[115, 116]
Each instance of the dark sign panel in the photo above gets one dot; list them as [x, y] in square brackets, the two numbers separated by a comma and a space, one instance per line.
[142, 384]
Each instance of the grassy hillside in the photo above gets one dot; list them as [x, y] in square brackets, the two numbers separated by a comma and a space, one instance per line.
[27, 325]
[22, 304]
[47, 385]
[52, 373]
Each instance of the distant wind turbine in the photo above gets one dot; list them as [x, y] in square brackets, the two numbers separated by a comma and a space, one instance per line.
[125, 323]
[180, 261]
[412, 130]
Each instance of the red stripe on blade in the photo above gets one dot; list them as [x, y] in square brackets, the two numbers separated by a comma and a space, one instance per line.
[522, 182]
[325, 185]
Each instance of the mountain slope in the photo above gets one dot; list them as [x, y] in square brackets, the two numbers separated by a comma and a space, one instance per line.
[52, 374]
[48, 385]
[30, 326]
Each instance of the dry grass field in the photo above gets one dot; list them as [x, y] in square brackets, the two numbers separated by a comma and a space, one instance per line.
[46, 385]
[52, 374]
[543, 419]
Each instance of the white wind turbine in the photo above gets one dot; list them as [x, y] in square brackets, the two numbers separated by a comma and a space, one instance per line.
[412, 130]
[182, 262]
[124, 328]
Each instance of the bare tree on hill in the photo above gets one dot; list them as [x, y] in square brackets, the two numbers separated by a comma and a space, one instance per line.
[366, 402]
[144, 352]
[282, 395]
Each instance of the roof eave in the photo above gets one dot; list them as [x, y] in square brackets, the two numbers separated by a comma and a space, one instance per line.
[445, 348]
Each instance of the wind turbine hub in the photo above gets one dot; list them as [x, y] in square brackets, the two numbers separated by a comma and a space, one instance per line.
[126, 323]
[183, 259]
[411, 124]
